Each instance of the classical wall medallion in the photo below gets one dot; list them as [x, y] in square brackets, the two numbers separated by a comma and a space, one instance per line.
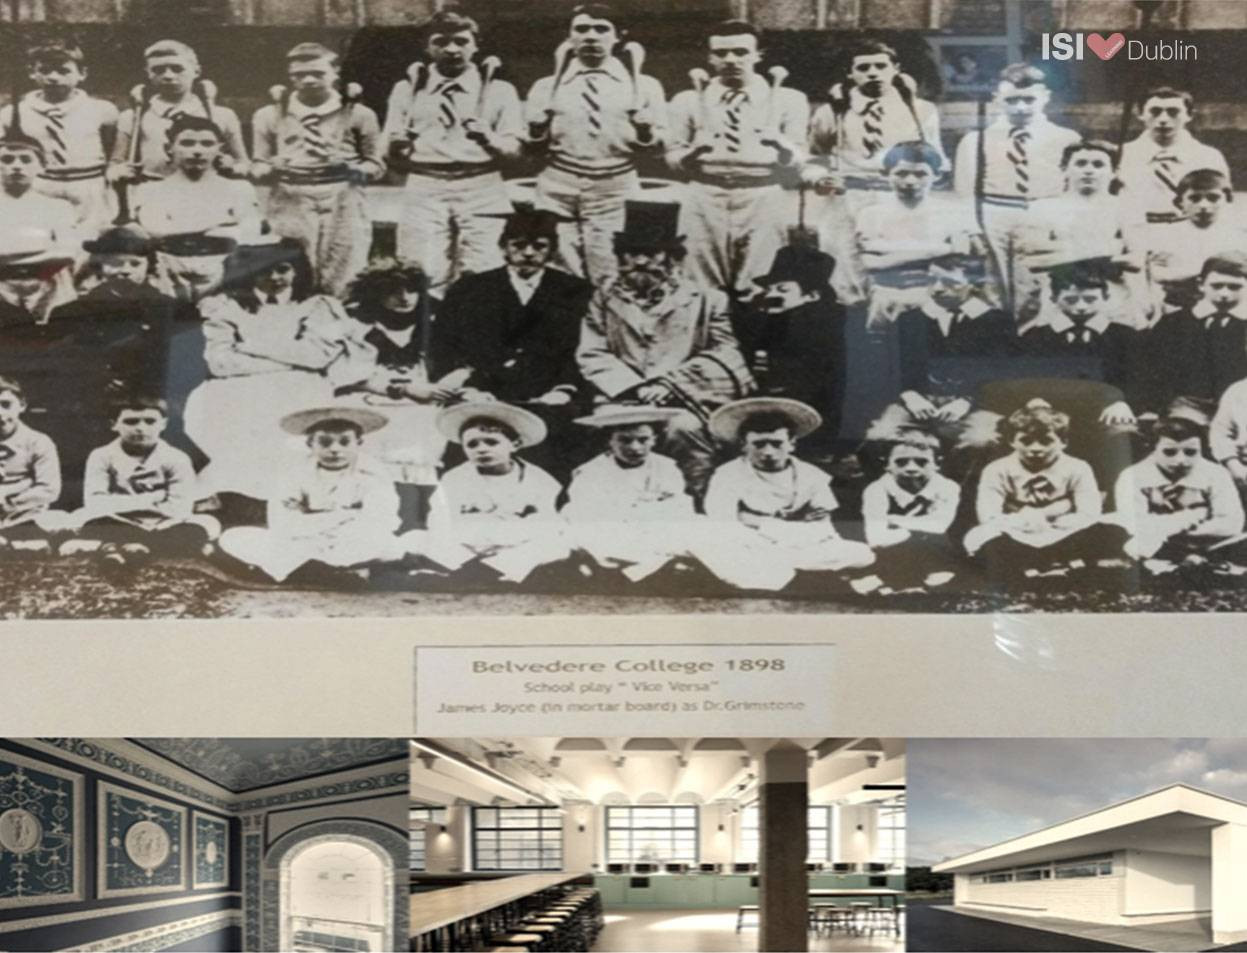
[209, 851]
[20, 831]
[148, 845]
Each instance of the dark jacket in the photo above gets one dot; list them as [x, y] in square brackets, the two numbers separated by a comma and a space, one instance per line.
[936, 364]
[1189, 356]
[1108, 365]
[516, 351]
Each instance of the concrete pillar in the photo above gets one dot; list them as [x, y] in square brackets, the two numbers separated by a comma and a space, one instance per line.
[1229, 883]
[783, 816]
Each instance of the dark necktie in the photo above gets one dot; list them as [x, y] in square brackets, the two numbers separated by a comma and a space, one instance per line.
[919, 505]
[446, 103]
[1038, 490]
[733, 99]
[592, 98]
[313, 137]
[1164, 164]
[1172, 495]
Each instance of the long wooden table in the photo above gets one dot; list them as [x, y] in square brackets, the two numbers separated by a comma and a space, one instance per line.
[437, 909]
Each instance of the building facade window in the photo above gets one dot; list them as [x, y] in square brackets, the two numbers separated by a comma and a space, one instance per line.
[517, 838]
[433, 815]
[821, 849]
[1060, 870]
[653, 835]
[890, 838]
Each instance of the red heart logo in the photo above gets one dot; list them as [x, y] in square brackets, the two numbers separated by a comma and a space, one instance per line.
[1105, 49]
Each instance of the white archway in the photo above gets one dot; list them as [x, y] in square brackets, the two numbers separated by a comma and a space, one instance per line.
[340, 885]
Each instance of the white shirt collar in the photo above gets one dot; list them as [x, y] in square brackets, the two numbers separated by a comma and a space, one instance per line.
[400, 336]
[283, 297]
[902, 496]
[469, 80]
[756, 89]
[1154, 149]
[858, 101]
[525, 287]
[1204, 309]
[972, 308]
[331, 105]
[1060, 323]
[36, 101]
[611, 67]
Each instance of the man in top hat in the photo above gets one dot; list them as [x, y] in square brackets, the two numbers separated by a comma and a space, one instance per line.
[174, 88]
[514, 329]
[591, 119]
[654, 336]
[77, 131]
[734, 139]
[794, 338]
[319, 148]
[781, 505]
[21, 204]
[448, 132]
[338, 511]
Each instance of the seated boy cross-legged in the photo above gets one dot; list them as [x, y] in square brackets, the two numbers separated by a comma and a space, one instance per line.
[779, 506]
[1038, 508]
[138, 494]
[1176, 504]
[30, 474]
[336, 512]
[908, 512]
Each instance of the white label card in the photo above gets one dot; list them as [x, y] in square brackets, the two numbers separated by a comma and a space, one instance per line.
[623, 689]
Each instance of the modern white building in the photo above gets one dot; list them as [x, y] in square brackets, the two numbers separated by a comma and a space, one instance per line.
[1171, 855]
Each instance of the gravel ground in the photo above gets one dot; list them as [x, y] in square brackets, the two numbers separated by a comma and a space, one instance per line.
[63, 589]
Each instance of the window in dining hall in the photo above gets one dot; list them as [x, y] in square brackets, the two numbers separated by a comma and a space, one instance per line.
[517, 838]
[651, 834]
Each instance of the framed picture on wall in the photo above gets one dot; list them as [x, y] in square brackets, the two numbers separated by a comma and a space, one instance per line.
[209, 851]
[969, 66]
[41, 833]
[142, 843]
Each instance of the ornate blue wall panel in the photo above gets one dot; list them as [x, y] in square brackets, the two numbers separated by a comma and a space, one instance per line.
[143, 843]
[41, 831]
[210, 848]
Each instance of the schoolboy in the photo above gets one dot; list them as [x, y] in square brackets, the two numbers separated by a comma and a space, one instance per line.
[908, 512]
[30, 470]
[1038, 507]
[173, 88]
[898, 235]
[1175, 252]
[494, 508]
[1227, 434]
[319, 148]
[138, 494]
[1021, 157]
[781, 505]
[195, 213]
[22, 205]
[76, 130]
[338, 510]
[1165, 151]
[1201, 350]
[1176, 502]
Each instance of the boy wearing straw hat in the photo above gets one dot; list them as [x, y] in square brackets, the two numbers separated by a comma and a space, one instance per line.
[495, 508]
[338, 511]
[781, 505]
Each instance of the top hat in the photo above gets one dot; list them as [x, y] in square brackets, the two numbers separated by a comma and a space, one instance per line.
[649, 225]
[524, 218]
[529, 429]
[726, 422]
[304, 420]
[127, 239]
[807, 266]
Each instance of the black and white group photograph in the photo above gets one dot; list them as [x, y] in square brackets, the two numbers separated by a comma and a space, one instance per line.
[328, 308]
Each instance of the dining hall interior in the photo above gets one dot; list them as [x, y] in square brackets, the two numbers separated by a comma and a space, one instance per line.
[646, 844]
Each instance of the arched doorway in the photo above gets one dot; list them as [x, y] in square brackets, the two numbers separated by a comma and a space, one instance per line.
[335, 871]
[336, 895]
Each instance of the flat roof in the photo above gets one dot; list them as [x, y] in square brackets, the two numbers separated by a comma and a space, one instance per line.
[1168, 818]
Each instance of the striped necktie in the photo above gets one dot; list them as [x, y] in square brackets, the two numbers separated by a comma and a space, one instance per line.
[1038, 489]
[872, 126]
[446, 103]
[1016, 154]
[1163, 166]
[733, 99]
[592, 98]
[918, 505]
[313, 138]
[58, 154]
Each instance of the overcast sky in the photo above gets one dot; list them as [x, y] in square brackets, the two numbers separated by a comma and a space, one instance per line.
[967, 793]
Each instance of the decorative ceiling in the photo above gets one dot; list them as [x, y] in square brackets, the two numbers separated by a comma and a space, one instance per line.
[245, 764]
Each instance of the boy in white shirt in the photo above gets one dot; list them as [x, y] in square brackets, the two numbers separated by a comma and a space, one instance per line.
[30, 471]
[1038, 507]
[337, 512]
[908, 512]
[138, 494]
[1176, 502]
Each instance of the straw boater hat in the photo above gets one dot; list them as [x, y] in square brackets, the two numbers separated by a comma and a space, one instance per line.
[627, 415]
[529, 428]
[726, 422]
[302, 421]
[30, 251]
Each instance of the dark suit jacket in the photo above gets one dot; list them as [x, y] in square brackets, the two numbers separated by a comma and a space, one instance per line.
[952, 365]
[1188, 356]
[516, 351]
[1109, 364]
